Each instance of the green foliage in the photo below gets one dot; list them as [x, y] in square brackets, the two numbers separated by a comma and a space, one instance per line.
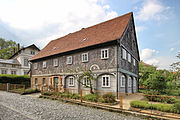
[15, 79]
[91, 97]
[47, 93]
[6, 48]
[162, 98]
[108, 98]
[144, 72]
[70, 95]
[161, 107]
[156, 81]
[30, 90]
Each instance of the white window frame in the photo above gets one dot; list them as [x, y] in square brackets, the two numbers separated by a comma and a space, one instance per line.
[124, 54]
[55, 62]
[86, 81]
[134, 82]
[44, 64]
[134, 62]
[129, 57]
[35, 66]
[129, 82]
[84, 57]
[69, 60]
[3, 71]
[123, 81]
[103, 53]
[13, 72]
[109, 81]
[71, 83]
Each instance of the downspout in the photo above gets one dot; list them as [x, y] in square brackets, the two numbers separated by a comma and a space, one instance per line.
[117, 74]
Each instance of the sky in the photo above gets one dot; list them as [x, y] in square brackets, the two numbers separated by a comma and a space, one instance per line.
[38, 22]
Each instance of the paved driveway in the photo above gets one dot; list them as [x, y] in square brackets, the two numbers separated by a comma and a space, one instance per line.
[19, 107]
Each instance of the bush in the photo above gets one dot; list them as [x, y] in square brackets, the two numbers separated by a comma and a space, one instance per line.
[47, 93]
[161, 107]
[176, 107]
[109, 98]
[91, 97]
[15, 79]
[30, 90]
[75, 96]
[161, 98]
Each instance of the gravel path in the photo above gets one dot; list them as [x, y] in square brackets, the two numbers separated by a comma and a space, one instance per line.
[19, 107]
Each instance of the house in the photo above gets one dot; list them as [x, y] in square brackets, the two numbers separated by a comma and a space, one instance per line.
[108, 49]
[18, 63]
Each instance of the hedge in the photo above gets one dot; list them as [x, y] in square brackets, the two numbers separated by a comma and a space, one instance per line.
[15, 79]
[161, 107]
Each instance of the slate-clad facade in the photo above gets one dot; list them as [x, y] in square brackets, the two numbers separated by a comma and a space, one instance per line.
[112, 56]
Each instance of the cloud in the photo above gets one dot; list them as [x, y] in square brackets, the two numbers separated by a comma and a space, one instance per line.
[147, 53]
[152, 10]
[140, 28]
[153, 61]
[39, 21]
[172, 49]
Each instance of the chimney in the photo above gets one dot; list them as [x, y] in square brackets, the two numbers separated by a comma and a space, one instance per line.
[18, 47]
[14, 50]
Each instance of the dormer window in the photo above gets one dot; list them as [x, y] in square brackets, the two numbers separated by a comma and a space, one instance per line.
[104, 53]
[44, 64]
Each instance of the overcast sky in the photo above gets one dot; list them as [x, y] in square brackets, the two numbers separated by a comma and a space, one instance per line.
[40, 21]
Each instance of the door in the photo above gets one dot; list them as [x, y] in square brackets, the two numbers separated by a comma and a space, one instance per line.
[56, 83]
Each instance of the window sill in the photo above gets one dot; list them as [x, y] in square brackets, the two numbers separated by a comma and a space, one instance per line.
[71, 85]
[84, 61]
[104, 58]
[105, 86]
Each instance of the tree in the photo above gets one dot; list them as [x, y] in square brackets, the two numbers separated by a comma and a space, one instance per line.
[6, 48]
[176, 68]
[157, 82]
[144, 72]
[85, 78]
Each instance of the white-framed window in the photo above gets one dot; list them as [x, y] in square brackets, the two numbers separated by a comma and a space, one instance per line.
[35, 66]
[124, 54]
[32, 53]
[13, 72]
[36, 81]
[86, 81]
[129, 82]
[134, 81]
[85, 57]
[44, 81]
[55, 62]
[71, 81]
[106, 81]
[69, 60]
[44, 64]
[25, 62]
[104, 53]
[134, 62]
[3, 71]
[123, 81]
[129, 57]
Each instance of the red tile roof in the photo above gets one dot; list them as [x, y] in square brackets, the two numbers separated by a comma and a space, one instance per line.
[101, 33]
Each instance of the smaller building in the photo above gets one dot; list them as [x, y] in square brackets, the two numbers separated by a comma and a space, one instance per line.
[18, 63]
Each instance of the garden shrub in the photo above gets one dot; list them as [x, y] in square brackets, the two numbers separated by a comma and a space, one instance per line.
[91, 97]
[161, 107]
[75, 96]
[15, 79]
[30, 90]
[109, 98]
[47, 93]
